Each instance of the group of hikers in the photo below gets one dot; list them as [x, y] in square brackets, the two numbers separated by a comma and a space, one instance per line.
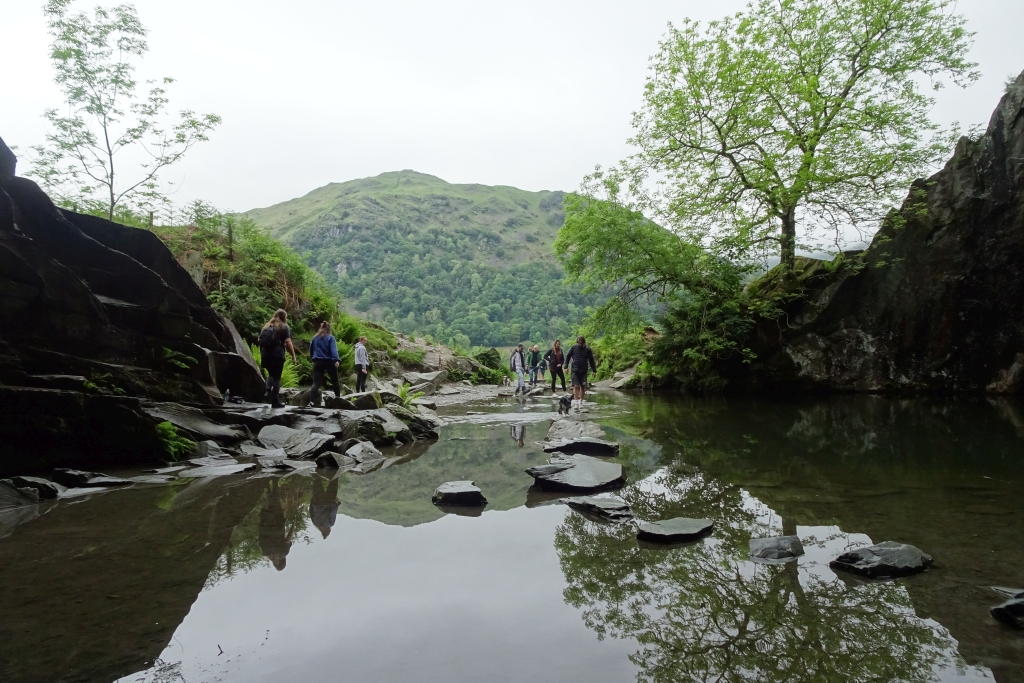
[275, 342]
[579, 360]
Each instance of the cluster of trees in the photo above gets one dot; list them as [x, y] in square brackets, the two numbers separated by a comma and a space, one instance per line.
[428, 283]
[785, 127]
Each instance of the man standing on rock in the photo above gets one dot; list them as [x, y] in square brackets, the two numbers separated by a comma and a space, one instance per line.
[518, 365]
[533, 362]
[362, 365]
[554, 358]
[580, 356]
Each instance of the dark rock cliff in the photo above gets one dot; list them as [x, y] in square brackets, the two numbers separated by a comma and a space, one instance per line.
[935, 303]
[98, 318]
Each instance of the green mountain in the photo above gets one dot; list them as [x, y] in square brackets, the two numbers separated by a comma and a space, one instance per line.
[466, 264]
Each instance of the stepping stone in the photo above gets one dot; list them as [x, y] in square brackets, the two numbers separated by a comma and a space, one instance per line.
[166, 470]
[255, 451]
[677, 530]
[458, 493]
[776, 548]
[153, 479]
[47, 489]
[296, 443]
[602, 509]
[888, 559]
[585, 446]
[1010, 612]
[217, 470]
[569, 428]
[212, 461]
[366, 400]
[577, 473]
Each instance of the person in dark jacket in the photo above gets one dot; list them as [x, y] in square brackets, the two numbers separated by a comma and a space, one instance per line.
[274, 339]
[579, 357]
[533, 359]
[554, 359]
[323, 350]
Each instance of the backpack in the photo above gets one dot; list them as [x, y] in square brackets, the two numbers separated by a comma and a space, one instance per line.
[268, 337]
[512, 361]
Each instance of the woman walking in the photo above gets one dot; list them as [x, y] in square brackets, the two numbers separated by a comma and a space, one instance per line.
[323, 349]
[554, 358]
[275, 337]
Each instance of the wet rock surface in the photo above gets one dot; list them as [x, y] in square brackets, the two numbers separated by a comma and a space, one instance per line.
[48, 490]
[888, 559]
[603, 509]
[577, 473]
[12, 496]
[296, 443]
[568, 428]
[216, 470]
[776, 548]
[366, 400]
[585, 446]
[1010, 612]
[459, 493]
[676, 530]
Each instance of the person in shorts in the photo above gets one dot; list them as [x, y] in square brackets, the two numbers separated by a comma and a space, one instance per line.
[275, 338]
[578, 359]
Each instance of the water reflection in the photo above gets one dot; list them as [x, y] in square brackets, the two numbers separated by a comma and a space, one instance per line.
[518, 433]
[323, 506]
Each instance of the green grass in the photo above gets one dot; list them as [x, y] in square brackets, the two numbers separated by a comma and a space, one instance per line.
[410, 356]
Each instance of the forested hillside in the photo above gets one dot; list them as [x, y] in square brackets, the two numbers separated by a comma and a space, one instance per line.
[470, 264]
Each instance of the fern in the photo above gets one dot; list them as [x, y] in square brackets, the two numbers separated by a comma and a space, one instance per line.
[175, 444]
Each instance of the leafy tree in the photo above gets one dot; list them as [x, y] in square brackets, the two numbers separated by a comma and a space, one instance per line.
[796, 112]
[94, 60]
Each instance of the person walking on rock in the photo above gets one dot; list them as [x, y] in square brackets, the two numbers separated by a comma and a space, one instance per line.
[274, 338]
[362, 365]
[579, 357]
[518, 365]
[554, 359]
[533, 362]
[323, 350]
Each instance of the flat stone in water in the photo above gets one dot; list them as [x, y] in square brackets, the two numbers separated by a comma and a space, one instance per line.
[676, 530]
[47, 489]
[585, 446]
[888, 559]
[572, 428]
[459, 493]
[72, 478]
[1010, 612]
[212, 461]
[166, 470]
[296, 443]
[603, 509]
[153, 479]
[217, 470]
[105, 481]
[776, 549]
[577, 473]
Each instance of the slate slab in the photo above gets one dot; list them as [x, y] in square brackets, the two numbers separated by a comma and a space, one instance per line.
[603, 509]
[570, 428]
[676, 530]
[48, 490]
[888, 559]
[296, 443]
[465, 493]
[217, 470]
[577, 473]
[776, 548]
[1010, 612]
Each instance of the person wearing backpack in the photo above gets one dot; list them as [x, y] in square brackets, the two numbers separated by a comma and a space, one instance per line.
[323, 351]
[518, 365]
[554, 358]
[579, 357]
[274, 338]
[533, 359]
[362, 365]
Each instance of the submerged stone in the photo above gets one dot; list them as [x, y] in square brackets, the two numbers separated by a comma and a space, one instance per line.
[465, 493]
[577, 473]
[677, 530]
[1010, 612]
[776, 548]
[888, 559]
[585, 446]
[603, 509]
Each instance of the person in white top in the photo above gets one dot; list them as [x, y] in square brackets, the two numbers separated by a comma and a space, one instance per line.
[362, 362]
[518, 364]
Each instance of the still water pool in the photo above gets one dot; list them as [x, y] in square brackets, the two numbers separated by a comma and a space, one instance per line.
[361, 579]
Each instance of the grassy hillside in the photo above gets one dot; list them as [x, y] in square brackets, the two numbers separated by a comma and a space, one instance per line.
[466, 264]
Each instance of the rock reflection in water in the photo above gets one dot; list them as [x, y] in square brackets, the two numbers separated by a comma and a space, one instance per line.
[706, 613]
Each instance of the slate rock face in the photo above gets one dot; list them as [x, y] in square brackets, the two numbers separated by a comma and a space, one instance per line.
[1010, 612]
[367, 400]
[585, 446]
[95, 299]
[603, 509]
[677, 530]
[297, 443]
[465, 493]
[12, 496]
[48, 490]
[338, 402]
[924, 308]
[777, 548]
[888, 559]
[577, 473]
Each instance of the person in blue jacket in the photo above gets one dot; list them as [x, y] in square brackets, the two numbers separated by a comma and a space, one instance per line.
[323, 349]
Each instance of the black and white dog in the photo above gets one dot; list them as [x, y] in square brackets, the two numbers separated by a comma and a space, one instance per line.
[565, 404]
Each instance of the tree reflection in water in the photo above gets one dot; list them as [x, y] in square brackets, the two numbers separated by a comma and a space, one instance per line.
[704, 612]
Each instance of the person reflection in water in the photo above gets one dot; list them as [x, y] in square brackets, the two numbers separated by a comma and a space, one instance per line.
[518, 433]
[323, 506]
[274, 541]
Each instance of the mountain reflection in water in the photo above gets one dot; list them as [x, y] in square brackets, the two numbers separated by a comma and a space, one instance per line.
[360, 578]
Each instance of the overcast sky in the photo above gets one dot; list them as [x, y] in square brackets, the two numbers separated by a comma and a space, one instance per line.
[529, 94]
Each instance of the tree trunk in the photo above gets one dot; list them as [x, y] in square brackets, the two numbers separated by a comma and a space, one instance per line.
[787, 238]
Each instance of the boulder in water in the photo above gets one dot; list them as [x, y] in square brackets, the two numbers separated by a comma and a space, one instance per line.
[577, 473]
[602, 509]
[464, 493]
[888, 559]
[48, 490]
[79, 479]
[216, 470]
[12, 496]
[1010, 612]
[776, 548]
[585, 446]
[296, 443]
[565, 429]
[676, 530]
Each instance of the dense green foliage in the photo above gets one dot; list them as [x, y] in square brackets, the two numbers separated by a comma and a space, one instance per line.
[465, 264]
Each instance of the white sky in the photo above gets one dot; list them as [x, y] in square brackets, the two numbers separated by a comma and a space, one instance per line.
[530, 94]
